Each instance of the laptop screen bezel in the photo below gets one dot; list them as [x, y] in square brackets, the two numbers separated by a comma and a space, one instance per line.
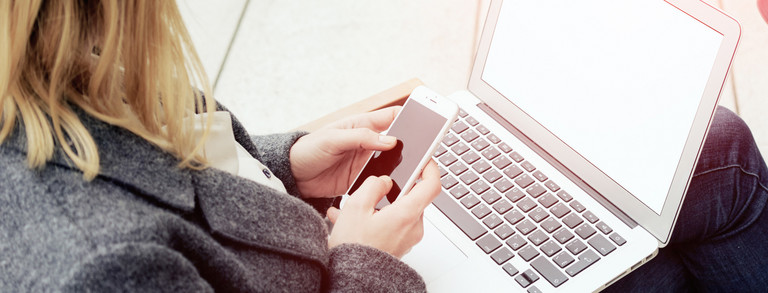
[660, 225]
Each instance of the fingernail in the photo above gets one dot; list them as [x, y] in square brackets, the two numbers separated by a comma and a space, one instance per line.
[387, 140]
[386, 179]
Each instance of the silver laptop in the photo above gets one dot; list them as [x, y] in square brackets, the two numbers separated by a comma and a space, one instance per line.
[580, 130]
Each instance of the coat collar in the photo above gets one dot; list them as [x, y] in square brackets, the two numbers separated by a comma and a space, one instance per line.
[234, 207]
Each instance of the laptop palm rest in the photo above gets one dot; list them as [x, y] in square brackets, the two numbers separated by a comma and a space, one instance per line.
[435, 255]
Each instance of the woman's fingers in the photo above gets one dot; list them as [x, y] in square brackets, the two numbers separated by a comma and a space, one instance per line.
[370, 193]
[423, 192]
[342, 140]
[378, 120]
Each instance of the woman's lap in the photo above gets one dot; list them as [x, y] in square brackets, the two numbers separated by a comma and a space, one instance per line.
[720, 241]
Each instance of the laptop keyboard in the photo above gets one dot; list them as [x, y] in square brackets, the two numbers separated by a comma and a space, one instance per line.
[510, 209]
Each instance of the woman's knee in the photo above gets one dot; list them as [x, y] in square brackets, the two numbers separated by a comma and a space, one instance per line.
[729, 142]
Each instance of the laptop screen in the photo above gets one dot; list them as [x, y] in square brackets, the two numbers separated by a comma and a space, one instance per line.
[617, 86]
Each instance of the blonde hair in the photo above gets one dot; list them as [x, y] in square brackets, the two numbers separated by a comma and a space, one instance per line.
[129, 63]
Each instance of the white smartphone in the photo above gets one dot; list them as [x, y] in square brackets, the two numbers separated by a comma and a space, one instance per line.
[419, 128]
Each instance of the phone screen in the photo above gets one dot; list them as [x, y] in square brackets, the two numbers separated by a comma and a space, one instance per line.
[415, 129]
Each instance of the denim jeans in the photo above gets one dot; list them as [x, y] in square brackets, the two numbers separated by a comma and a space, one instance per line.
[720, 241]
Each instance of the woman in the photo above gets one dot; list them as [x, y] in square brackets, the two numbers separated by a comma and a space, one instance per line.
[118, 176]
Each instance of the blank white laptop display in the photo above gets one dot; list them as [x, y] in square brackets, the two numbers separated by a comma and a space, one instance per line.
[580, 130]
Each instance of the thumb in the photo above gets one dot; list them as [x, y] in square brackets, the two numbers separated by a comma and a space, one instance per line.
[370, 192]
[333, 214]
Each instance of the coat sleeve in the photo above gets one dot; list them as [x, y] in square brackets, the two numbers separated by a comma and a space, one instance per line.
[359, 268]
[135, 267]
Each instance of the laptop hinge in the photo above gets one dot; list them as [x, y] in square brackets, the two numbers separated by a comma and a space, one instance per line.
[559, 166]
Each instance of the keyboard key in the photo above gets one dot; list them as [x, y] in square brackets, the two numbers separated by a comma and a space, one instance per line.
[459, 127]
[535, 190]
[563, 259]
[492, 176]
[491, 197]
[602, 245]
[564, 196]
[603, 227]
[482, 129]
[524, 180]
[470, 157]
[493, 138]
[459, 191]
[492, 221]
[458, 168]
[576, 205]
[526, 204]
[525, 227]
[510, 269]
[514, 194]
[590, 217]
[480, 211]
[447, 159]
[560, 210]
[459, 216]
[514, 216]
[488, 243]
[522, 281]
[459, 148]
[443, 172]
[481, 167]
[469, 135]
[530, 275]
[448, 182]
[480, 144]
[563, 235]
[516, 157]
[469, 177]
[490, 153]
[471, 120]
[617, 239]
[470, 201]
[516, 241]
[528, 166]
[540, 176]
[503, 185]
[528, 252]
[462, 113]
[479, 187]
[538, 237]
[547, 270]
[552, 185]
[504, 231]
[505, 148]
[450, 139]
[585, 260]
[501, 162]
[550, 248]
[502, 255]
[538, 214]
[576, 246]
[439, 151]
[547, 200]
[550, 225]
[585, 231]
[572, 220]
[513, 171]
[502, 206]
[533, 289]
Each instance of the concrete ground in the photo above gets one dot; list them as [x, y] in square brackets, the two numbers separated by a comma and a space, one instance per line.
[280, 64]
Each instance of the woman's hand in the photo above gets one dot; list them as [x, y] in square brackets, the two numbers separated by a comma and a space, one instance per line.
[395, 228]
[325, 162]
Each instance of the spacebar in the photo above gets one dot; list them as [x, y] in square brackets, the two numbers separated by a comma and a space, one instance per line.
[459, 216]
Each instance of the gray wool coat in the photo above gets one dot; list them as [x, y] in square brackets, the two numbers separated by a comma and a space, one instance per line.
[144, 225]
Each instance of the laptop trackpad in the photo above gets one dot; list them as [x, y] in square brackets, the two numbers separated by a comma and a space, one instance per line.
[435, 255]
